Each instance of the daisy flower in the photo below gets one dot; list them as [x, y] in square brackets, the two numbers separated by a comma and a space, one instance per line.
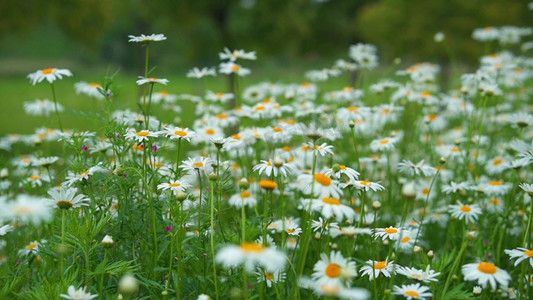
[322, 150]
[274, 167]
[92, 89]
[50, 74]
[409, 168]
[144, 80]
[79, 294]
[236, 54]
[175, 186]
[461, 211]
[147, 38]
[230, 67]
[412, 291]
[251, 255]
[526, 187]
[390, 233]
[178, 133]
[333, 289]
[384, 144]
[365, 185]
[5, 229]
[198, 163]
[374, 268]
[31, 248]
[200, 73]
[338, 170]
[454, 187]
[425, 276]
[41, 107]
[270, 278]
[522, 254]
[85, 175]
[322, 225]
[244, 197]
[140, 136]
[486, 272]
[323, 185]
[330, 207]
[348, 231]
[219, 97]
[333, 269]
[28, 209]
[495, 187]
[66, 198]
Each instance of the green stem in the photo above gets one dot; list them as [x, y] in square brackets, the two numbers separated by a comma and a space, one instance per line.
[55, 107]
[101, 285]
[212, 235]
[454, 266]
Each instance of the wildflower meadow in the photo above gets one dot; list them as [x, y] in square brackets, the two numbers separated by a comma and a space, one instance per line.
[381, 184]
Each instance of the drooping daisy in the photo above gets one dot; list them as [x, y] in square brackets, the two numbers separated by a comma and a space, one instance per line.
[427, 275]
[486, 272]
[31, 249]
[79, 294]
[323, 226]
[330, 207]
[520, 253]
[251, 255]
[41, 107]
[236, 54]
[230, 67]
[274, 167]
[333, 269]
[5, 229]
[66, 198]
[72, 177]
[365, 185]
[374, 268]
[466, 212]
[147, 38]
[412, 169]
[320, 185]
[50, 74]
[92, 89]
[412, 291]
[144, 80]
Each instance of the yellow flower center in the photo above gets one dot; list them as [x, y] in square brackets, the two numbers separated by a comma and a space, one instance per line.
[235, 68]
[35, 177]
[406, 239]
[432, 117]
[380, 265]
[277, 129]
[426, 93]
[384, 141]
[222, 116]
[343, 167]
[496, 182]
[31, 246]
[252, 247]
[412, 293]
[143, 133]
[365, 182]
[391, 230]
[269, 276]
[332, 201]
[286, 149]
[198, 164]
[236, 136]
[95, 85]
[164, 93]
[210, 131]
[487, 268]
[352, 108]
[425, 191]
[268, 184]
[529, 253]
[48, 71]
[494, 201]
[180, 133]
[246, 194]
[466, 208]
[333, 270]
[455, 149]
[323, 179]
[175, 184]
[291, 122]
[22, 209]
[291, 230]
[260, 107]
[84, 173]
[497, 161]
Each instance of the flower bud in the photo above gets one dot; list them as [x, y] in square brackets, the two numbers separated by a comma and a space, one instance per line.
[4, 173]
[477, 291]
[431, 254]
[244, 184]
[107, 241]
[213, 177]
[408, 190]
[128, 285]
[376, 205]
[417, 249]
[180, 196]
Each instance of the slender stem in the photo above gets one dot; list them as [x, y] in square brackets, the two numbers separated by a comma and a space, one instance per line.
[243, 219]
[245, 283]
[454, 266]
[178, 159]
[425, 206]
[149, 104]
[101, 285]
[528, 228]
[55, 107]
[212, 235]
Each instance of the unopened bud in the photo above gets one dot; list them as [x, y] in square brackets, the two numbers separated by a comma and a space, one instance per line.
[278, 163]
[128, 285]
[408, 190]
[431, 254]
[376, 205]
[352, 124]
[477, 291]
[336, 168]
[317, 235]
[4, 173]
[244, 184]
[164, 293]
[107, 241]
[471, 235]
[213, 177]
[417, 249]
